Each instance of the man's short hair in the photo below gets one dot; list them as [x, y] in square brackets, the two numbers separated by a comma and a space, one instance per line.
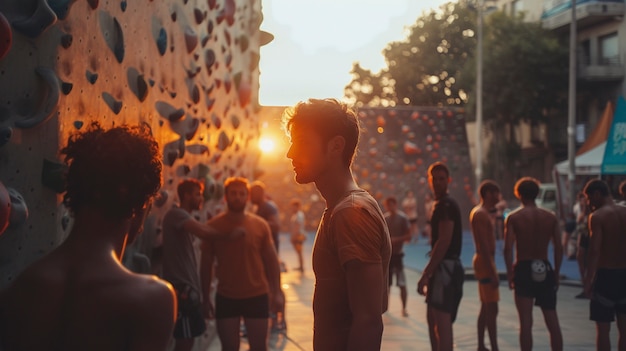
[234, 181]
[328, 118]
[257, 184]
[391, 200]
[438, 166]
[116, 171]
[186, 186]
[487, 186]
[527, 188]
[597, 185]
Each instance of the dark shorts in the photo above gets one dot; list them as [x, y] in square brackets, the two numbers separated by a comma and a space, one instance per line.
[608, 296]
[253, 307]
[413, 220]
[190, 321]
[544, 292]
[396, 268]
[445, 287]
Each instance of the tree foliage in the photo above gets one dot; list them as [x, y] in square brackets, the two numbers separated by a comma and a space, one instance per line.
[524, 75]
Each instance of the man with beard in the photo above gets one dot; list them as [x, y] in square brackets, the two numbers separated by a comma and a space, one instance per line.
[352, 246]
[247, 271]
[442, 278]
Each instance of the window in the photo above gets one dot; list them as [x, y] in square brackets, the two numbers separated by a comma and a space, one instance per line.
[609, 49]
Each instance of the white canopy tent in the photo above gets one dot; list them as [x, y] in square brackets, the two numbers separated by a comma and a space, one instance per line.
[588, 163]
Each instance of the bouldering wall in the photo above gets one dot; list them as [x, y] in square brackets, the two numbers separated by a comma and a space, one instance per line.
[397, 146]
[188, 69]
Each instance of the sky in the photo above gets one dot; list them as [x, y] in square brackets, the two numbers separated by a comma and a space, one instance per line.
[317, 41]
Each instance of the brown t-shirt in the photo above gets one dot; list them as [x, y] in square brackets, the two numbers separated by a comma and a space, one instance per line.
[354, 230]
[240, 270]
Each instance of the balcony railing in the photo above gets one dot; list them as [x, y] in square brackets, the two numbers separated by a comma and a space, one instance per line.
[557, 14]
[607, 69]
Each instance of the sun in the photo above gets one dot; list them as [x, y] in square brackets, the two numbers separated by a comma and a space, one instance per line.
[267, 145]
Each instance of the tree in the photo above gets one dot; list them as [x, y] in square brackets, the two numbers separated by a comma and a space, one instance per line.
[424, 68]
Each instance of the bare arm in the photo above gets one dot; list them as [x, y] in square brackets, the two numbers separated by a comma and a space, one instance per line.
[207, 258]
[272, 271]
[509, 241]
[558, 250]
[595, 241]
[206, 232]
[439, 251]
[365, 296]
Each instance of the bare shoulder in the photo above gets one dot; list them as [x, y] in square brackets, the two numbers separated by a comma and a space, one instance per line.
[146, 290]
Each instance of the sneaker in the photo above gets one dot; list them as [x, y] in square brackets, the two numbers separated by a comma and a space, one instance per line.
[581, 296]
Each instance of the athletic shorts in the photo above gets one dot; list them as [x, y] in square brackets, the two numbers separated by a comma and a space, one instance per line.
[544, 292]
[252, 307]
[483, 266]
[445, 287]
[396, 268]
[190, 321]
[583, 241]
[608, 296]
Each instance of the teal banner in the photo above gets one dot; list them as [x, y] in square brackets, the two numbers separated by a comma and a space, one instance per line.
[615, 153]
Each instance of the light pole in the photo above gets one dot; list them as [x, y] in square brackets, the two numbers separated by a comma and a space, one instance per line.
[571, 111]
[479, 96]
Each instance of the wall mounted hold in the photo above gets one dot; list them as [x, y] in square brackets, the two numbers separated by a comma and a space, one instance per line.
[197, 149]
[137, 83]
[6, 36]
[19, 210]
[5, 208]
[41, 19]
[91, 77]
[50, 99]
[66, 40]
[161, 41]
[53, 175]
[168, 111]
[5, 135]
[113, 34]
[114, 105]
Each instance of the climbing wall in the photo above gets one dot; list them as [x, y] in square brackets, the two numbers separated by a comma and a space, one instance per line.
[398, 145]
[186, 68]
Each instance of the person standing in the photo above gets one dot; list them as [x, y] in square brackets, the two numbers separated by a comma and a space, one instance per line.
[267, 209]
[352, 246]
[247, 271]
[442, 278]
[531, 229]
[79, 296]
[409, 206]
[605, 281]
[298, 233]
[484, 262]
[180, 265]
[400, 232]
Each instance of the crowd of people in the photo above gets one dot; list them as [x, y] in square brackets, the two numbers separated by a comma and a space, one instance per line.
[80, 296]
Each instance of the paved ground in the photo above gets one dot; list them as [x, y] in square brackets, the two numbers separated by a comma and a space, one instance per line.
[411, 333]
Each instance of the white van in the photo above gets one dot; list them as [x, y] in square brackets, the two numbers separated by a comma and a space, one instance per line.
[547, 197]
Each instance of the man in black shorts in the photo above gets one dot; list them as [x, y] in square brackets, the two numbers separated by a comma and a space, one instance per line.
[443, 276]
[531, 229]
[247, 271]
[605, 282]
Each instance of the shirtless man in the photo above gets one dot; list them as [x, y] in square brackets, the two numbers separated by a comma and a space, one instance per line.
[484, 262]
[530, 229]
[80, 297]
[605, 282]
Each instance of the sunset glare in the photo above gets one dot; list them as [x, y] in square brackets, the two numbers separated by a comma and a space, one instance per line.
[267, 145]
